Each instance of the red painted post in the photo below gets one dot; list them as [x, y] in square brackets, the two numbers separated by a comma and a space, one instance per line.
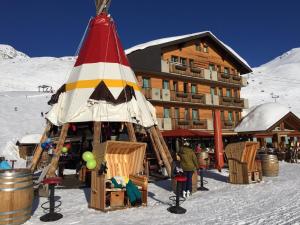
[219, 152]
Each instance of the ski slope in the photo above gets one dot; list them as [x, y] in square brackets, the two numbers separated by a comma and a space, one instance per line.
[277, 80]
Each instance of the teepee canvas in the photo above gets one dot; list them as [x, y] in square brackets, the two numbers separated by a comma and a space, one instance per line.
[101, 86]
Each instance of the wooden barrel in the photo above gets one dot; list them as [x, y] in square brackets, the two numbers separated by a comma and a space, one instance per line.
[16, 194]
[203, 159]
[270, 165]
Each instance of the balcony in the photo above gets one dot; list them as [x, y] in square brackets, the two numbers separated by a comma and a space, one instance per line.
[230, 101]
[228, 124]
[189, 124]
[186, 70]
[197, 70]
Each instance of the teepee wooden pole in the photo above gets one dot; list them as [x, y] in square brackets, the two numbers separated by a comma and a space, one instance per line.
[155, 148]
[131, 132]
[97, 134]
[161, 150]
[39, 150]
[162, 140]
[57, 151]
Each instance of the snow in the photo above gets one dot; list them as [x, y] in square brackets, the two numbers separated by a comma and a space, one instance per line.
[277, 80]
[21, 73]
[273, 201]
[262, 117]
[31, 139]
[8, 52]
[170, 39]
[21, 115]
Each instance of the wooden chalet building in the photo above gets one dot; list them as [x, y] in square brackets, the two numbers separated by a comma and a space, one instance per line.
[186, 77]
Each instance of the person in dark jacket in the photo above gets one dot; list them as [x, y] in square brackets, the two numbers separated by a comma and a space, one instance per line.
[189, 164]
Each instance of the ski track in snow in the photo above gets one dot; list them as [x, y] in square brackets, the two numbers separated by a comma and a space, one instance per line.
[273, 201]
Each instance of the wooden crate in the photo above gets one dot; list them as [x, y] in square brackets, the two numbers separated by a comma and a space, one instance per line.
[243, 168]
[122, 159]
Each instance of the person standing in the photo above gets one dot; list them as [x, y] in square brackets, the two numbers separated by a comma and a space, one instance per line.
[189, 164]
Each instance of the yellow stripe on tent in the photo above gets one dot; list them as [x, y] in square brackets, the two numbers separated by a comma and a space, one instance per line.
[94, 83]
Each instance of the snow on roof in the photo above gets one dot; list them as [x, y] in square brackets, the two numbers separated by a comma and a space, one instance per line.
[262, 117]
[31, 139]
[170, 39]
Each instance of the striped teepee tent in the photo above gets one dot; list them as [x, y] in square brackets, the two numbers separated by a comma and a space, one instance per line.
[101, 86]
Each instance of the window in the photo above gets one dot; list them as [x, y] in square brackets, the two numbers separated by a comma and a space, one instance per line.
[220, 92]
[236, 93]
[166, 84]
[183, 61]
[194, 88]
[228, 92]
[174, 59]
[198, 47]
[212, 67]
[175, 86]
[146, 82]
[237, 116]
[222, 115]
[230, 118]
[233, 71]
[186, 114]
[212, 91]
[176, 113]
[219, 68]
[166, 113]
[185, 88]
[195, 115]
[191, 63]
[205, 48]
[226, 70]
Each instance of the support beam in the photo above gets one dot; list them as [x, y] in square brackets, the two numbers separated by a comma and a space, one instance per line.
[57, 151]
[97, 134]
[162, 140]
[131, 132]
[39, 150]
[155, 148]
[161, 150]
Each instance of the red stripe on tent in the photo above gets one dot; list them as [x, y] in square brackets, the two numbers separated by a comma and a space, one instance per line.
[102, 43]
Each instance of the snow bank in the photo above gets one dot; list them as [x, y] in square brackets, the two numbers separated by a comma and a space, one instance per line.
[11, 152]
[262, 117]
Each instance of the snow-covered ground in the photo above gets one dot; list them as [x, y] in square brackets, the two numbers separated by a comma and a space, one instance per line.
[278, 79]
[20, 114]
[273, 201]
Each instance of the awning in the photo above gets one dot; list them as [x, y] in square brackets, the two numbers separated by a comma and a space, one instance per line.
[185, 133]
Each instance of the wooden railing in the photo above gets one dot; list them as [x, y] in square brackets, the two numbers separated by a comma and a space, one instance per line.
[197, 71]
[193, 71]
[228, 124]
[189, 124]
[230, 101]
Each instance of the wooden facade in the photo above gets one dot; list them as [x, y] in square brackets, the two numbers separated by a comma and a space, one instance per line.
[186, 79]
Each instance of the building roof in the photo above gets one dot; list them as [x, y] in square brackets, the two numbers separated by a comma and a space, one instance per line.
[31, 139]
[163, 42]
[266, 117]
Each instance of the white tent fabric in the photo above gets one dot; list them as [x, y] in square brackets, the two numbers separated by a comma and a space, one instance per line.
[101, 60]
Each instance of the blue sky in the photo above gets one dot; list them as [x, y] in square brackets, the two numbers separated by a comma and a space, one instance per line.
[259, 30]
